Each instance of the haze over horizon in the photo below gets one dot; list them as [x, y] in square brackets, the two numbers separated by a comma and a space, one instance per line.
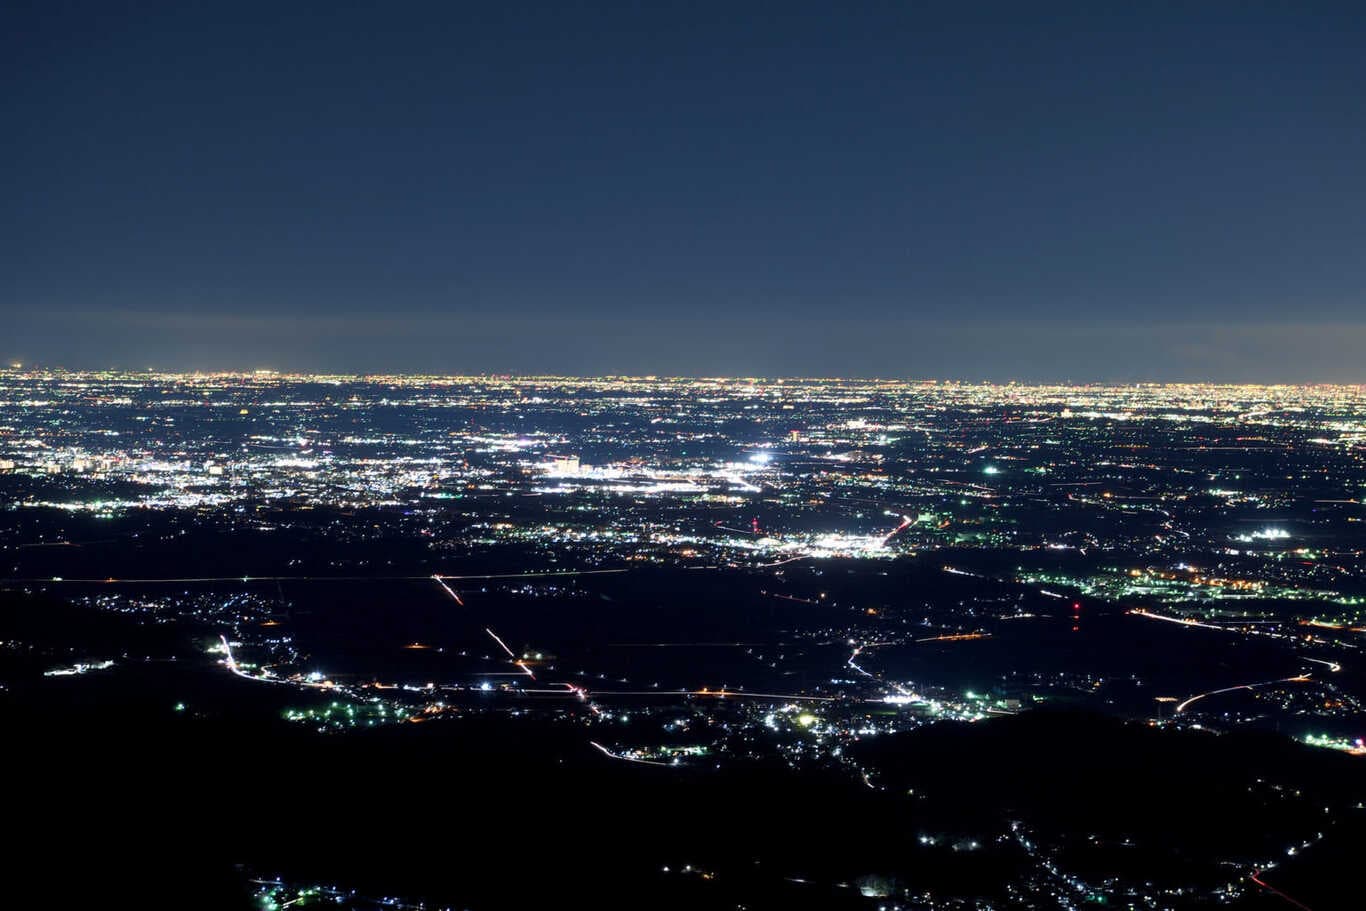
[1062, 193]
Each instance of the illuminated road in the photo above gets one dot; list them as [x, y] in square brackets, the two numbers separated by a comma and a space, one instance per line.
[231, 663]
[858, 650]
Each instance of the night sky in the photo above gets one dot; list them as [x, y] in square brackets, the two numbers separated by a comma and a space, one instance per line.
[1090, 191]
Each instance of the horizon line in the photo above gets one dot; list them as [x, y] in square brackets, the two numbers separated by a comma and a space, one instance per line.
[20, 369]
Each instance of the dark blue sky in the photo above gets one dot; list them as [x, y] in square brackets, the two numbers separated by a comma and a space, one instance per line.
[1032, 191]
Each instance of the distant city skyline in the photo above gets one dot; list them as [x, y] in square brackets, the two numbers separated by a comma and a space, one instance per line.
[1028, 353]
[933, 190]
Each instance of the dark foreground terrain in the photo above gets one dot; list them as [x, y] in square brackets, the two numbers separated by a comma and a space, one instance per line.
[120, 796]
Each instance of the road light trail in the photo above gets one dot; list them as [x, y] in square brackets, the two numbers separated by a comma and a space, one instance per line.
[742, 694]
[1331, 665]
[450, 591]
[717, 694]
[1256, 878]
[501, 643]
[511, 654]
[783, 597]
[782, 562]
[608, 753]
[1187, 621]
[905, 523]
[115, 580]
[955, 637]
[686, 644]
[1181, 707]
[581, 693]
[1181, 621]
